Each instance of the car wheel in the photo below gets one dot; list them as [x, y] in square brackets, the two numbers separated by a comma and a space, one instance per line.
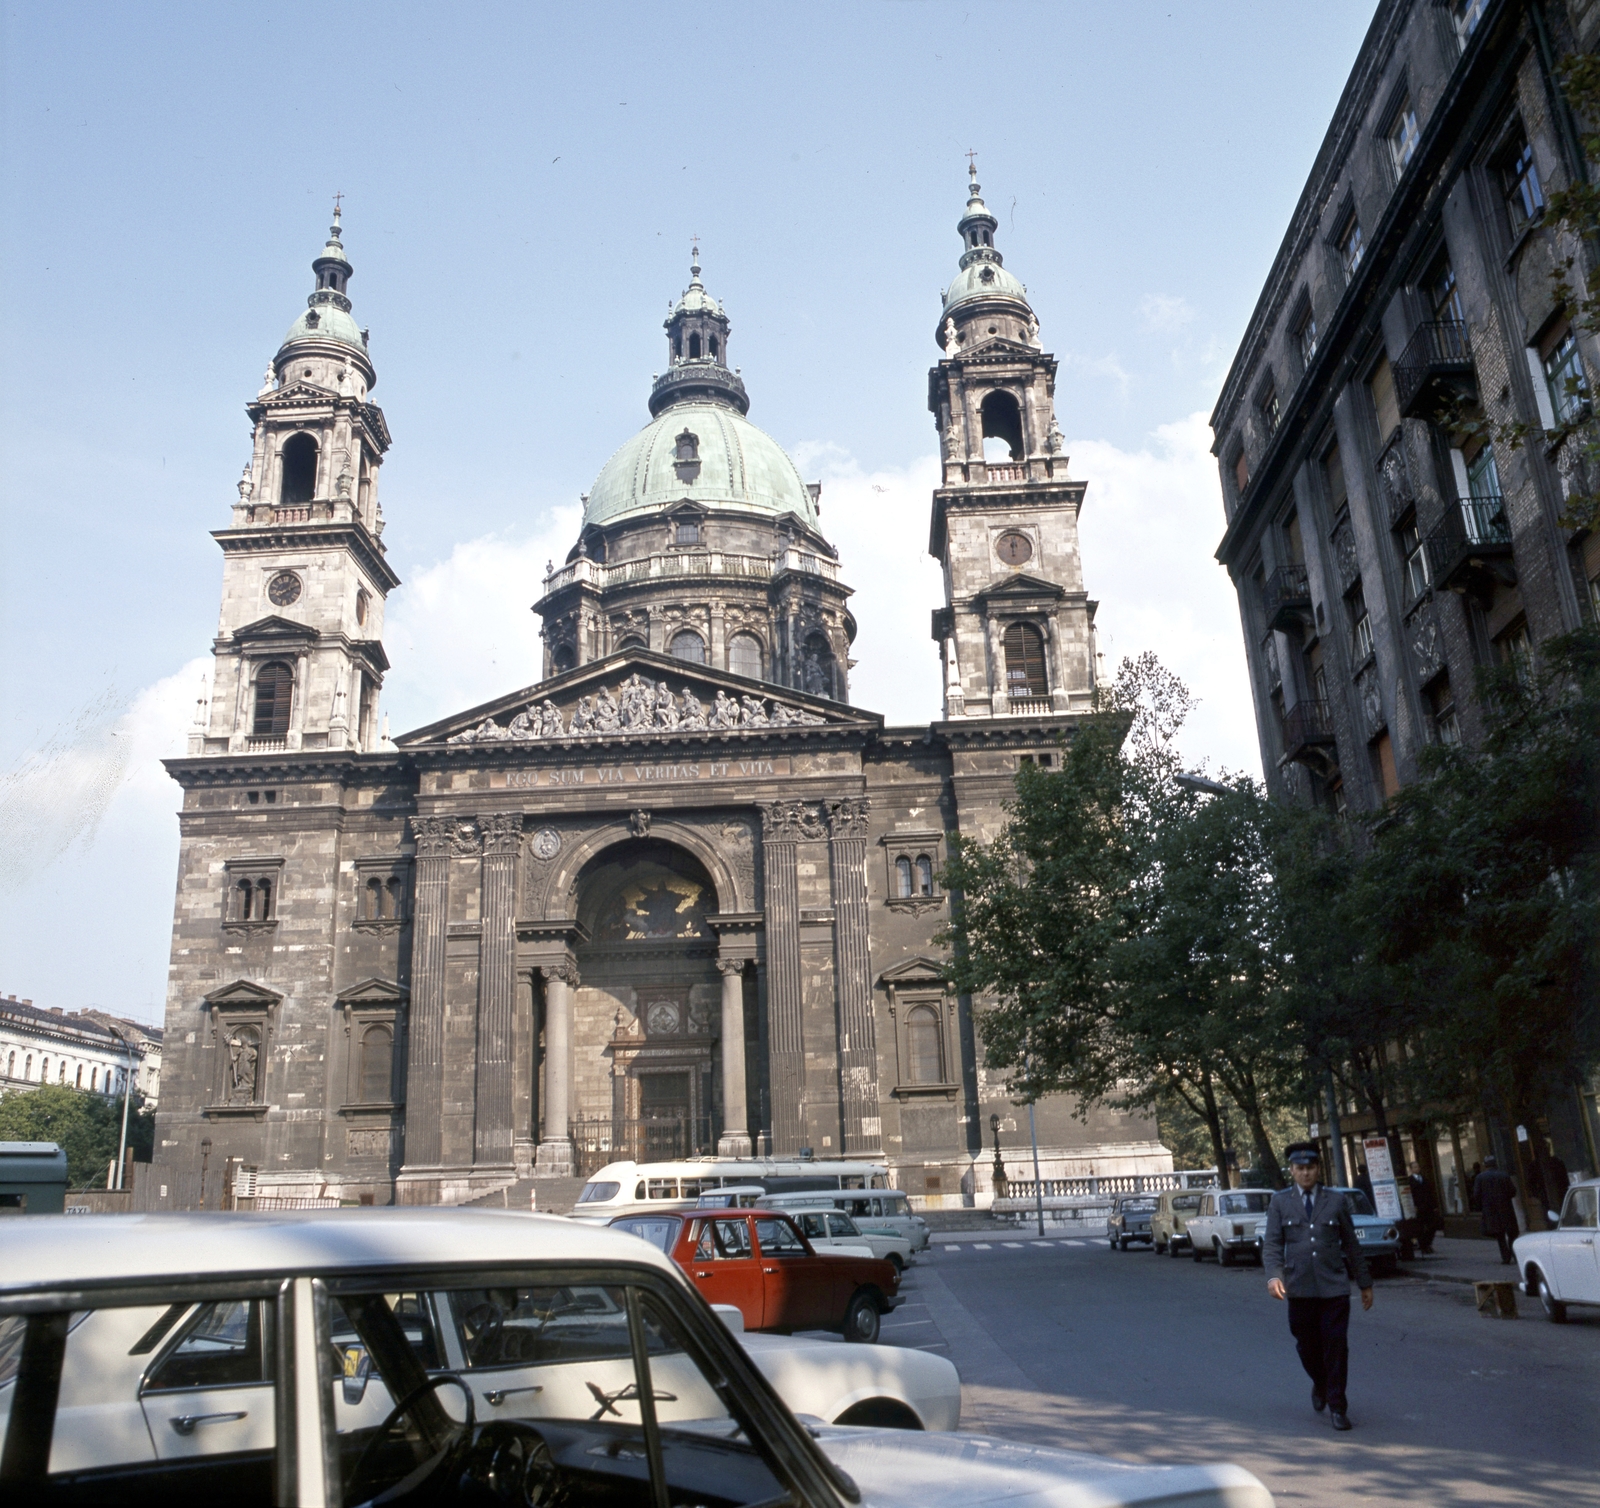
[1172, 1247]
[1158, 1247]
[897, 1262]
[1196, 1251]
[880, 1413]
[1554, 1310]
[861, 1319]
[1224, 1257]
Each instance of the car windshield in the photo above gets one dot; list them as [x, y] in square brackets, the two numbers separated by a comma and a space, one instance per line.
[1253, 1202]
[599, 1192]
[1137, 1206]
[658, 1230]
[1358, 1202]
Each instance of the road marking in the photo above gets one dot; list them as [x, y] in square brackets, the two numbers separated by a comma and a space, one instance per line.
[1041, 1243]
[1073, 1243]
[1012, 1245]
[905, 1324]
[951, 1247]
[980, 1246]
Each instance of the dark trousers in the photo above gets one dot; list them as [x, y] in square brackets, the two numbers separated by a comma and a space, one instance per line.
[1505, 1238]
[1321, 1329]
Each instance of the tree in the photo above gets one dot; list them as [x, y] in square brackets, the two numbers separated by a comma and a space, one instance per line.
[85, 1125]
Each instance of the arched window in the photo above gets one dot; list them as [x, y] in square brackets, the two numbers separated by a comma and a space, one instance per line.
[688, 645]
[902, 876]
[564, 658]
[263, 900]
[299, 469]
[77, 1078]
[274, 694]
[713, 347]
[1002, 422]
[44, 1069]
[1024, 650]
[744, 656]
[397, 898]
[61, 1076]
[94, 1078]
[633, 641]
[377, 1062]
[924, 876]
[924, 1047]
[244, 893]
[816, 667]
[11, 1066]
[694, 348]
[374, 899]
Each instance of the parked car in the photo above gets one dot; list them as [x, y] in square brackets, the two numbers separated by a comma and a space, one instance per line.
[1228, 1225]
[1562, 1266]
[175, 1359]
[759, 1262]
[829, 1230]
[1380, 1239]
[1129, 1219]
[735, 1198]
[1169, 1222]
[885, 1212]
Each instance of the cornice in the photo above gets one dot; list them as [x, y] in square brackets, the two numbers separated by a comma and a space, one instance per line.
[303, 765]
[256, 539]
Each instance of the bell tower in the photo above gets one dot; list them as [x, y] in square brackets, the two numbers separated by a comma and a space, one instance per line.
[299, 652]
[1016, 633]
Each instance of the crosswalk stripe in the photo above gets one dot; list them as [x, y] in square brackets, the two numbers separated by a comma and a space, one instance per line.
[980, 1246]
[1072, 1243]
[1012, 1245]
[1038, 1243]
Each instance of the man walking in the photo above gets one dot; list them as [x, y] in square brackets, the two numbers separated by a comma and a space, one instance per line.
[1493, 1192]
[1311, 1255]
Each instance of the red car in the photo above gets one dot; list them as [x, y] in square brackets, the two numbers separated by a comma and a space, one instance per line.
[759, 1262]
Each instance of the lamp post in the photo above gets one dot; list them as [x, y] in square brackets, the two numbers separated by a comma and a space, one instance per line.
[205, 1157]
[1038, 1187]
[127, 1091]
[999, 1166]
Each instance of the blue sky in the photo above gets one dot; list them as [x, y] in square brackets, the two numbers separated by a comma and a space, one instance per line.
[521, 183]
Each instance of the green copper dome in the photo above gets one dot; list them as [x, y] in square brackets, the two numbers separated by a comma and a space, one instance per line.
[730, 464]
[330, 323]
[983, 280]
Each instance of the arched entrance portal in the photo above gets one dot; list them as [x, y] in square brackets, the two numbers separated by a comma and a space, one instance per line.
[646, 1079]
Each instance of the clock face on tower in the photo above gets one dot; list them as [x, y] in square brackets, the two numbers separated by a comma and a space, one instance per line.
[283, 589]
[1013, 548]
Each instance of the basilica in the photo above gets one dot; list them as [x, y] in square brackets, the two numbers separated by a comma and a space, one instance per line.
[676, 896]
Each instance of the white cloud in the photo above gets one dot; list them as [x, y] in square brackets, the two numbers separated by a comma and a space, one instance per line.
[1149, 530]
[1165, 311]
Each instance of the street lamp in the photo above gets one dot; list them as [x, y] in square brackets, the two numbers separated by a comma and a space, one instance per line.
[127, 1090]
[999, 1166]
[1199, 783]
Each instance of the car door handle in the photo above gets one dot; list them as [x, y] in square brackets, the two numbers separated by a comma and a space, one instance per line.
[702, 1274]
[497, 1396]
[769, 1269]
[185, 1424]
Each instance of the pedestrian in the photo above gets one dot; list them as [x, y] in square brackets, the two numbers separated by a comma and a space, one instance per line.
[1472, 1188]
[1492, 1193]
[1428, 1222]
[1311, 1256]
[1364, 1183]
[1556, 1180]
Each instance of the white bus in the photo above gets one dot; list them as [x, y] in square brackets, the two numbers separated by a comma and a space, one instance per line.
[635, 1188]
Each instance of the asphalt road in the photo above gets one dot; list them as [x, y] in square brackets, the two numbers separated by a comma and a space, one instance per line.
[1131, 1355]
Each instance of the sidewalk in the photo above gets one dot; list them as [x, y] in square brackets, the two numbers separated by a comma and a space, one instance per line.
[1459, 1260]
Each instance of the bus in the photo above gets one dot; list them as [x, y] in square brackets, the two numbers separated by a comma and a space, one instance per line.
[634, 1188]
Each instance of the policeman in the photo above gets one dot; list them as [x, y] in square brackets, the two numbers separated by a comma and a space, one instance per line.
[1311, 1254]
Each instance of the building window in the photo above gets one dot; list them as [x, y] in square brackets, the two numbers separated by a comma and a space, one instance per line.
[1519, 182]
[1384, 774]
[924, 1045]
[924, 875]
[1565, 377]
[1241, 472]
[1442, 708]
[1333, 473]
[377, 1065]
[77, 1078]
[688, 646]
[363, 600]
[274, 694]
[1465, 15]
[1305, 337]
[1514, 649]
[686, 532]
[1416, 559]
[1350, 245]
[1483, 477]
[299, 469]
[1384, 403]
[1444, 297]
[902, 878]
[1268, 404]
[563, 658]
[1025, 672]
[1402, 136]
[744, 656]
[253, 900]
[1360, 624]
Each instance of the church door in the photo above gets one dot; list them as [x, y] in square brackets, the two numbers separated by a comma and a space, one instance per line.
[664, 1113]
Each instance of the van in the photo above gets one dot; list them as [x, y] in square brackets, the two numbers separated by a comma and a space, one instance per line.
[886, 1211]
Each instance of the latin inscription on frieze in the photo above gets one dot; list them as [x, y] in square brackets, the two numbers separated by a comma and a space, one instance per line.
[653, 773]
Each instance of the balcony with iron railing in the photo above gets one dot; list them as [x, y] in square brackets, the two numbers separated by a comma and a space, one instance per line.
[1307, 727]
[1435, 368]
[1287, 599]
[1471, 547]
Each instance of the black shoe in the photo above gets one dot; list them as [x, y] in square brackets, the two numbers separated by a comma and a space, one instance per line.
[1318, 1402]
[1341, 1420]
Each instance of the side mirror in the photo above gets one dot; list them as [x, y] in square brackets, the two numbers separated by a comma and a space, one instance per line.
[357, 1373]
[731, 1315]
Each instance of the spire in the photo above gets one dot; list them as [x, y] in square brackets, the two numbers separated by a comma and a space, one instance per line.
[697, 349]
[333, 266]
[982, 285]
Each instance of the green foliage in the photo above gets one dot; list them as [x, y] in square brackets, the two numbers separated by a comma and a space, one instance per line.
[87, 1127]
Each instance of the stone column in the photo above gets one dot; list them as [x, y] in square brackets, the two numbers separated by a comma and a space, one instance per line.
[1060, 679]
[999, 701]
[425, 1028]
[783, 824]
[554, 1157]
[524, 1058]
[497, 988]
[852, 971]
[735, 1138]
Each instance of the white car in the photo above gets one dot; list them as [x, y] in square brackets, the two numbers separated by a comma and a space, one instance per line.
[1229, 1225]
[174, 1359]
[1562, 1266]
[829, 1230]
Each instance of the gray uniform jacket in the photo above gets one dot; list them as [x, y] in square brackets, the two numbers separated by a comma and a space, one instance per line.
[1316, 1259]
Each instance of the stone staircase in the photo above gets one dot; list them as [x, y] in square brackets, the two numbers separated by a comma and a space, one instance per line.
[550, 1196]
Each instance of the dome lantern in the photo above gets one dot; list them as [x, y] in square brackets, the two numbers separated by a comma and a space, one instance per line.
[697, 351]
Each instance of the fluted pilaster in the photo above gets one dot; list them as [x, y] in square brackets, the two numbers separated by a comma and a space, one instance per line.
[858, 1037]
[425, 1032]
[497, 986]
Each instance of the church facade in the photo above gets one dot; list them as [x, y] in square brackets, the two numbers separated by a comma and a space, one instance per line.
[678, 895]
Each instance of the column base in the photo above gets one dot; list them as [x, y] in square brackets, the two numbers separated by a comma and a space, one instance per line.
[522, 1155]
[734, 1144]
[553, 1159]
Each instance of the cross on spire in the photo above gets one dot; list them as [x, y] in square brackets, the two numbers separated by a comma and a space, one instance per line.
[337, 198]
[972, 163]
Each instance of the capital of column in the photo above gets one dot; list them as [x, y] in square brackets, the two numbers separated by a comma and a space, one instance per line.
[566, 971]
[789, 821]
[847, 816]
[432, 836]
[500, 832]
[731, 965]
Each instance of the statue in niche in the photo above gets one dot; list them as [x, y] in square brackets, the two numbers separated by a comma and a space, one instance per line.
[725, 714]
[583, 715]
[550, 725]
[666, 707]
[816, 682]
[752, 712]
[952, 342]
[244, 1056]
[693, 714]
[607, 716]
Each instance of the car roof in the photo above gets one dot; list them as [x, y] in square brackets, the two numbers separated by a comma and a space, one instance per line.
[50, 1251]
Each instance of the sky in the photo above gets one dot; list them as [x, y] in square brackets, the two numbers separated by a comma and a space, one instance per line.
[521, 183]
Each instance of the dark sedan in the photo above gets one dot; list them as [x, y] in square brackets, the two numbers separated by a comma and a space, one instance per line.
[1130, 1220]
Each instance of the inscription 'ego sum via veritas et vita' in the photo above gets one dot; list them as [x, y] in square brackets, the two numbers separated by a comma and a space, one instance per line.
[640, 774]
